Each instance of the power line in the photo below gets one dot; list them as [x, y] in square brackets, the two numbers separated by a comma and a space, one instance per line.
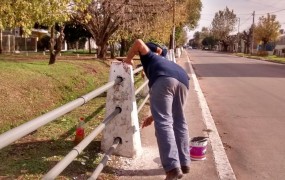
[272, 12]
[246, 20]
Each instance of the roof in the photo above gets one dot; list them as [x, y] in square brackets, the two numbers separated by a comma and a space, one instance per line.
[280, 46]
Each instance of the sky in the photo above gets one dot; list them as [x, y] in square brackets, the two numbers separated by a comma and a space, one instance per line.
[243, 9]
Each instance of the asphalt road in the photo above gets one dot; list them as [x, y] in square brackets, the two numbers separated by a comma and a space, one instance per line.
[247, 100]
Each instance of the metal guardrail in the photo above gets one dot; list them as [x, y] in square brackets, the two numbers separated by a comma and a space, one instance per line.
[141, 87]
[26, 128]
[138, 70]
[105, 159]
[143, 103]
[60, 166]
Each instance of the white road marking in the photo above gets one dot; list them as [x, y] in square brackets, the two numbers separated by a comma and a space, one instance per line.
[224, 169]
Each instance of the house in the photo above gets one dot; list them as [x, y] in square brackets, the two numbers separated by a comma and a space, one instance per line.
[14, 41]
[280, 45]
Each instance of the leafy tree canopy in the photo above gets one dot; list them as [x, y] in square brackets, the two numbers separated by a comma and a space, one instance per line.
[25, 13]
[124, 19]
[223, 23]
[267, 29]
[209, 41]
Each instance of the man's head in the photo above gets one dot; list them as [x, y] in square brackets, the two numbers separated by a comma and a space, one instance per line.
[164, 52]
[156, 48]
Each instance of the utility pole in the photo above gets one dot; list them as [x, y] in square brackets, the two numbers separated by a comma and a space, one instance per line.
[252, 38]
[172, 36]
[173, 40]
[238, 48]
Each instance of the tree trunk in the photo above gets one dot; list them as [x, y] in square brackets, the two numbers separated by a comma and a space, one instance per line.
[102, 51]
[123, 47]
[1, 39]
[89, 45]
[170, 41]
[55, 45]
[112, 51]
[76, 44]
[264, 45]
[225, 46]
[52, 44]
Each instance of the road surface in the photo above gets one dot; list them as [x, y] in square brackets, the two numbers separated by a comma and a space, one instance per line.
[247, 100]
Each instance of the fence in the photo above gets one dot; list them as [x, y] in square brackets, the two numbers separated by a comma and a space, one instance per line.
[121, 111]
[11, 44]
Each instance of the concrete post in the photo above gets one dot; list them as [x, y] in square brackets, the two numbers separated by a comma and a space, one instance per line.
[36, 44]
[8, 43]
[125, 125]
[172, 55]
[178, 52]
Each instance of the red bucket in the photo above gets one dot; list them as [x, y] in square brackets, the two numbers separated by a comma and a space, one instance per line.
[198, 148]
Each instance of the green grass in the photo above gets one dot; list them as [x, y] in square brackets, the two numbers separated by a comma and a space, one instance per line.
[38, 87]
[29, 88]
[80, 51]
[271, 58]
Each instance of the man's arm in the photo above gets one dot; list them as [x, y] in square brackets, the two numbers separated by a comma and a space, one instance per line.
[139, 47]
[158, 50]
[154, 47]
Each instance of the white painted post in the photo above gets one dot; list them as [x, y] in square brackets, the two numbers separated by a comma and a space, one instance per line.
[36, 44]
[125, 125]
[178, 52]
[172, 55]
[9, 43]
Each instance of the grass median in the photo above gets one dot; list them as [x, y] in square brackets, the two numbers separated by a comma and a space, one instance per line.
[29, 88]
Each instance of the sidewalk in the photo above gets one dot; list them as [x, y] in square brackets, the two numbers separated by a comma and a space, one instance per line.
[148, 166]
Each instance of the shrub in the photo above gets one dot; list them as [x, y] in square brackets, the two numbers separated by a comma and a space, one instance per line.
[262, 53]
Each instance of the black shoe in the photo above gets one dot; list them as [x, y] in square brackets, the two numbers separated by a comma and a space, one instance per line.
[185, 169]
[174, 174]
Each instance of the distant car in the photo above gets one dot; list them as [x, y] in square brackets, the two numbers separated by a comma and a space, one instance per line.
[206, 48]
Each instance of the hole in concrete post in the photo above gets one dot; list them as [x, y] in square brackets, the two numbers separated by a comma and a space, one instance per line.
[120, 139]
[119, 108]
[120, 79]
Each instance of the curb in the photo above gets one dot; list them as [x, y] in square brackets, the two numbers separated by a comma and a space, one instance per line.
[224, 169]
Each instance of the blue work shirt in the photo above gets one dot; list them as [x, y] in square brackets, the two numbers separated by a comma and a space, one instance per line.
[156, 66]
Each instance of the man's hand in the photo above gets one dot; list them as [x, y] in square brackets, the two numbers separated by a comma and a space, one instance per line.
[131, 62]
[143, 74]
[147, 121]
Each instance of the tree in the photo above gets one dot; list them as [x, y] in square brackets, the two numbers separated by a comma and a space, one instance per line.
[196, 41]
[105, 18]
[186, 18]
[267, 29]
[52, 13]
[74, 32]
[109, 20]
[222, 25]
[193, 13]
[14, 14]
[25, 13]
[246, 36]
[209, 41]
